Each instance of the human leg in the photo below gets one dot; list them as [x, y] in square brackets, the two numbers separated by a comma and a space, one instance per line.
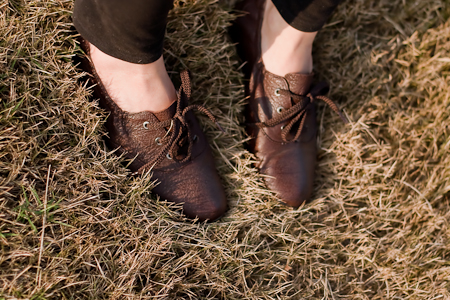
[288, 31]
[126, 42]
[284, 49]
[150, 125]
[281, 113]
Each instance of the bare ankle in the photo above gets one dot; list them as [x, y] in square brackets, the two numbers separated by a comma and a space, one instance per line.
[284, 48]
[135, 87]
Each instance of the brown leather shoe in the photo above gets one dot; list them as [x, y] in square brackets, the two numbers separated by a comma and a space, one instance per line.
[170, 144]
[280, 115]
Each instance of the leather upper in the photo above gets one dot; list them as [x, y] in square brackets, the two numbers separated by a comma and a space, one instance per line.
[288, 167]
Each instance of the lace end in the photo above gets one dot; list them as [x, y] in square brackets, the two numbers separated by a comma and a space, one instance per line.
[343, 118]
[220, 127]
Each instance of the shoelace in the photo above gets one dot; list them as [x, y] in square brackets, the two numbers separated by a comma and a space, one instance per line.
[298, 111]
[179, 132]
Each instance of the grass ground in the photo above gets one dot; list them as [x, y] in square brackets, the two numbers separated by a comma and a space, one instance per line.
[73, 225]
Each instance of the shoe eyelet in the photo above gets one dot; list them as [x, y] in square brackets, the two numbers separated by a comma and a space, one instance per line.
[279, 109]
[157, 141]
[169, 156]
[277, 93]
[145, 124]
[282, 127]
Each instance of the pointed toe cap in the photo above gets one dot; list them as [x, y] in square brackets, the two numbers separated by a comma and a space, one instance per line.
[209, 208]
[291, 179]
[197, 186]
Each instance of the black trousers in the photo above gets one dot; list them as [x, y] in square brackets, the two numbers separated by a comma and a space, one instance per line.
[133, 30]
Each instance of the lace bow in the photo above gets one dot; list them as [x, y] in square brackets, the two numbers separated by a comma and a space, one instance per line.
[298, 112]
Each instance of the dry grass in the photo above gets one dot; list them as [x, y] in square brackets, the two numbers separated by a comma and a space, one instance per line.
[74, 226]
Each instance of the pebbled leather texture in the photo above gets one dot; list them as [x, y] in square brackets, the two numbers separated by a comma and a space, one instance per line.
[195, 182]
[289, 167]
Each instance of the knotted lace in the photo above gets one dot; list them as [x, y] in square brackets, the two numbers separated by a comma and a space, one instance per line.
[178, 134]
[298, 112]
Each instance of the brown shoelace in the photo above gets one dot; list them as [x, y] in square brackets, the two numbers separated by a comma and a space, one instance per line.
[178, 133]
[298, 112]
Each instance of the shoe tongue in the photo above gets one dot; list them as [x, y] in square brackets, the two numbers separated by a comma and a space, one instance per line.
[166, 114]
[299, 84]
